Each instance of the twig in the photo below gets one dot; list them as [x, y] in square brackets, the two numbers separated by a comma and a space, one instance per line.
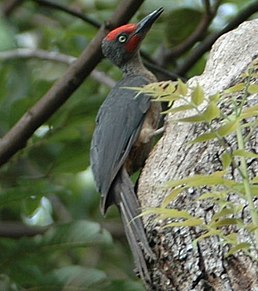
[165, 73]
[9, 6]
[153, 67]
[18, 230]
[70, 11]
[209, 41]
[24, 53]
[62, 89]
[60, 211]
[197, 34]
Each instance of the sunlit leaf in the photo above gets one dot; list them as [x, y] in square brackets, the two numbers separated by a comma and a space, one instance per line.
[231, 238]
[204, 137]
[172, 196]
[215, 98]
[179, 108]
[226, 159]
[239, 247]
[207, 234]
[198, 180]
[181, 88]
[236, 88]
[228, 128]
[211, 112]
[192, 119]
[188, 222]
[197, 95]
[212, 195]
[168, 213]
[222, 213]
[255, 180]
[249, 112]
[251, 227]
[245, 154]
[225, 222]
[252, 89]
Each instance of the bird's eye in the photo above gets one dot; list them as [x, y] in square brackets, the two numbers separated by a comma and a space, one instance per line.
[122, 38]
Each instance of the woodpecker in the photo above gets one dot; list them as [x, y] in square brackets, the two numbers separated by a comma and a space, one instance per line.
[124, 129]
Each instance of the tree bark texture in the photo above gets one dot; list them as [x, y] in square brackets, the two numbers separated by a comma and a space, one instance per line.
[181, 265]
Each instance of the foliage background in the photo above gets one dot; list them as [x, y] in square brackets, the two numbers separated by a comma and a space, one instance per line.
[52, 234]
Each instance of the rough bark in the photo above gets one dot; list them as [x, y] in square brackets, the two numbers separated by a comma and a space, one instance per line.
[180, 266]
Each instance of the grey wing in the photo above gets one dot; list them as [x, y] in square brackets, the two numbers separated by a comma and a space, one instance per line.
[118, 124]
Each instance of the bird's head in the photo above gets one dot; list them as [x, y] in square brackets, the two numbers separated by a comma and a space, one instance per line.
[123, 42]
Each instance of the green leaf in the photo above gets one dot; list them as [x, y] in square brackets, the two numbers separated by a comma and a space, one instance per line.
[254, 190]
[77, 277]
[204, 137]
[7, 36]
[245, 154]
[213, 195]
[199, 180]
[179, 108]
[239, 247]
[250, 227]
[71, 159]
[226, 159]
[215, 98]
[172, 196]
[228, 127]
[239, 187]
[222, 213]
[231, 238]
[211, 112]
[197, 95]
[188, 222]
[236, 88]
[225, 222]
[207, 234]
[254, 180]
[184, 21]
[79, 233]
[168, 213]
[192, 119]
[181, 88]
[252, 89]
[29, 189]
[249, 112]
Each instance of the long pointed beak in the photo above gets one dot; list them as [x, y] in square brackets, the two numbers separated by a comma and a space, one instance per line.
[145, 24]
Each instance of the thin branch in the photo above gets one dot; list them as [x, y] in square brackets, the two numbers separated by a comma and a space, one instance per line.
[24, 53]
[205, 45]
[97, 75]
[18, 230]
[70, 11]
[60, 211]
[9, 6]
[166, 75]
[197, 34]
[62, 89]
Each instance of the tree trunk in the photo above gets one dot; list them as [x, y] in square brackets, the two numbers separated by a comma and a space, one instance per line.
[180, 264]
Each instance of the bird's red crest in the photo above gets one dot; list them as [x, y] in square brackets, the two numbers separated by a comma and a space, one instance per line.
[128, 29]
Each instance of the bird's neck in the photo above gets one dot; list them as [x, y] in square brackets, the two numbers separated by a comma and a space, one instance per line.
[135, 67]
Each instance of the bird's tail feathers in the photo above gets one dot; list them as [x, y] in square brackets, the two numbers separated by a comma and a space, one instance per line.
[129, 208]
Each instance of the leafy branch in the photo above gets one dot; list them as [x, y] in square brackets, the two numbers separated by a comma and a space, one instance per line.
[17, 137]
[220, 126]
